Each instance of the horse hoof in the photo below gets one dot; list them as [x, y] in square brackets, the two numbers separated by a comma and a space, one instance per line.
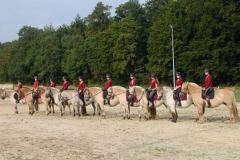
[16, 112]
[123, 118]
[128, 118]
[199, 122]
[53, 112]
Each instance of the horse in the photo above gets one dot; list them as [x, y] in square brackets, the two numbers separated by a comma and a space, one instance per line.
[41, 90]
[55, 93]
[142, 98]
[28, 94]
[71, 97]
[10, 94]
[167, 96]
[222, 96]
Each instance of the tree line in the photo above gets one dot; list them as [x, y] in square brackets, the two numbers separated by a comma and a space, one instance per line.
[136, 39]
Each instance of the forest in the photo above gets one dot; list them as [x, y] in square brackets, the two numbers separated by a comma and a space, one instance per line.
[136, 39]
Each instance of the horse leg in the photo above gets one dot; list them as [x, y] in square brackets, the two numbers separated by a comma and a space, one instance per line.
[146, 110]
[73, 110]
[16, 110]
[171, 115]
[47, 104]
[200, 114]
[99, 110]
[69, 109]
[139, 112]
[128, 111]
[102, 111]
[124, 112]
[94, 108]
[53, 108]
[230, 110]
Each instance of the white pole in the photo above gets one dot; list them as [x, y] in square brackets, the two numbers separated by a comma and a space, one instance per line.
[173, 59]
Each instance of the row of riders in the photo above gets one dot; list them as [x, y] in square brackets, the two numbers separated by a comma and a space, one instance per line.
[152, 93]
[207, 87]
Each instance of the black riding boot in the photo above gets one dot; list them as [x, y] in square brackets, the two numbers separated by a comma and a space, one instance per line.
[179, 101]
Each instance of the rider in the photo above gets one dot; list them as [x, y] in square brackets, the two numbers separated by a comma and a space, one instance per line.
[152, 88]
[133, 82]
[52, 83]
[207, 85]
[107, 85]
[36, 82]
[35, 95]
[65, 84]
[15, 96]
[178, 88]
[81, 87]
[19, 84]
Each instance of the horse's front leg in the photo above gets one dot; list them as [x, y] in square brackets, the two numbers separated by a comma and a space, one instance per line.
[46, 105]
[124, 111]
[128, 110]
[102, 110]
[94, 108]
[69, 109]
[200, 114]
[16, 109]
[140, 109]
[146, 110]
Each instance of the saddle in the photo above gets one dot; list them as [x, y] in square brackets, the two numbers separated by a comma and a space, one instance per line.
[184, 98]
[155, 97]
[210, 93]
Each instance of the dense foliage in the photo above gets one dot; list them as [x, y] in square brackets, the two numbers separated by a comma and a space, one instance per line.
[136, 39]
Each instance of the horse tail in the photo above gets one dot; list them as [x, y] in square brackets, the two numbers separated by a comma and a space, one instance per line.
[235, 111]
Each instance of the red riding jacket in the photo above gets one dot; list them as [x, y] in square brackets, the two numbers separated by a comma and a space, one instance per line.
[81, 86]
[133, 82]
[108, 84]
[208, 82]
[65, 85]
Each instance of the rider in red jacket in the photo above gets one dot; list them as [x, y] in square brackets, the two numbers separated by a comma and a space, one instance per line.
[81, 87]
[65, 84]
[207, 85]
[133, 82]
[52, 83]
[107, 85]
[178, 88]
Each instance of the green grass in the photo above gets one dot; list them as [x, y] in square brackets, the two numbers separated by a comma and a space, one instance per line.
[237, 95]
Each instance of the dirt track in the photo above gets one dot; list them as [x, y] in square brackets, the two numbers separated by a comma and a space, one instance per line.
[54, 137]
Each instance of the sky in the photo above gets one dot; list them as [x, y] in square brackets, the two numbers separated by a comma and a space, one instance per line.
[14, 14]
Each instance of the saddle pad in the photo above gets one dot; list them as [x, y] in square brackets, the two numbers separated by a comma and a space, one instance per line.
[210, 94]
[134, 99]
[184, 98]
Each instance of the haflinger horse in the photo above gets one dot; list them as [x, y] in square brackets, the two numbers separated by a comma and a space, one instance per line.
[142, 101]
[28, 94]
[10, 94]
[222, 96]
[167, 96]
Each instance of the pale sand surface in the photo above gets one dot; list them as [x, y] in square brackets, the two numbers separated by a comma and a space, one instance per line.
[41, 137]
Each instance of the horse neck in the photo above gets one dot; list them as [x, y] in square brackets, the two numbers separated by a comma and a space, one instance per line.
[118, 90]
[192, 87]
[167, 92]
[9, 93]
[25, 91]
[54, 90]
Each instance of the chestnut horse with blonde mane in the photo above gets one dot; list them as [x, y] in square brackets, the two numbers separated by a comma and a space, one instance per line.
[28, 94]
[222, 96]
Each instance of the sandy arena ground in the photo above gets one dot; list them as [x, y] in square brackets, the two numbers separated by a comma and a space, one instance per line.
[41, 137]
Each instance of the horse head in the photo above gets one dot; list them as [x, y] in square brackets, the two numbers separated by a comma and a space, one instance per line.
[20, 93]
[159, 91]
[132, 91]
[110, 92]
[184, 90]
[3, 94]
[87, 94]
[48, 92]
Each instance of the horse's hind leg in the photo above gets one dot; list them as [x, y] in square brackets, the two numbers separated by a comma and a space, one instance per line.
[140, 109]
[230, 110]
[53, 111]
